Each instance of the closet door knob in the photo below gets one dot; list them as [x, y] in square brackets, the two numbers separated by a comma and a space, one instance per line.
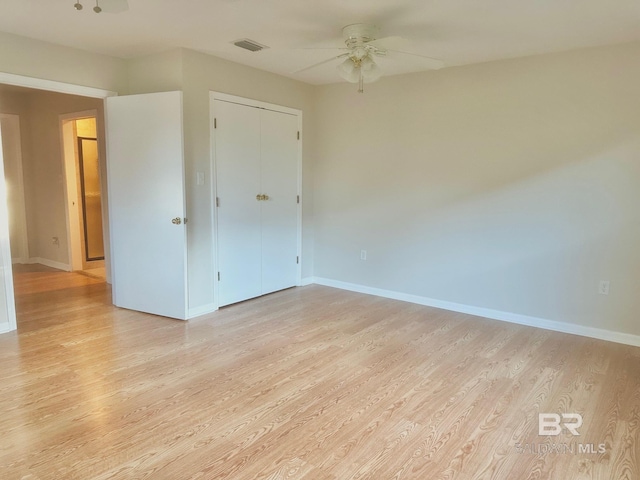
[258, 197]
[265, 197]
[176, 221]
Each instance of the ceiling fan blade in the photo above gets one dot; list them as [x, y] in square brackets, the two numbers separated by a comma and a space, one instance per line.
[435, 63]
[397, 44]
[391, 42]
[321, 63]
[114, 6]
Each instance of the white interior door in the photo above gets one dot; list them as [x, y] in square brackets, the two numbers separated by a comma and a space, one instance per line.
[7, 302]
[237, 144]
[146, 203]
[279, 167]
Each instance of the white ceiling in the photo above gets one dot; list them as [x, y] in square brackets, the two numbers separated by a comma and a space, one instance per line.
[456, 31]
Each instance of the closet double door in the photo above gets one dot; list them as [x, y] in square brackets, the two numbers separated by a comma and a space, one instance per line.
[256, 153]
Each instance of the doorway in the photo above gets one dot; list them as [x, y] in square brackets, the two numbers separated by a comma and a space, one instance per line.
[47, 242]
[82, 165]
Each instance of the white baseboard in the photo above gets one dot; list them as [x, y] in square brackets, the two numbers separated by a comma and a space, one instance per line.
[203, 310]
[50, 263]
[564, 327]
[307, 281]
[20, 261]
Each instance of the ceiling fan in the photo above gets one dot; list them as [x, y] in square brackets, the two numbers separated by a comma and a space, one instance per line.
[362, 47]
[107, 6]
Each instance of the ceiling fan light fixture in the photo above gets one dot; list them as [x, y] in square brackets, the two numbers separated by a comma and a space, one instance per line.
[349, 70]
[371, 72]
[77, 6]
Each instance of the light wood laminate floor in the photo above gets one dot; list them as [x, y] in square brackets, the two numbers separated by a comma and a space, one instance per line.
[311, 383]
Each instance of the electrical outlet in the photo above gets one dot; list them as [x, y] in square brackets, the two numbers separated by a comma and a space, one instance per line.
[55, 241]
[363, 254]
[603, 288]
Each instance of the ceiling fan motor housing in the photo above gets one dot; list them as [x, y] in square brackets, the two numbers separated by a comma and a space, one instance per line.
[359, 34]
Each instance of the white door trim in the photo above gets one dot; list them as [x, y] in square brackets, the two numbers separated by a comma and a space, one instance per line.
[254, 103]
[70, 175]
[213, 96]
[53, 86]
[5, 250]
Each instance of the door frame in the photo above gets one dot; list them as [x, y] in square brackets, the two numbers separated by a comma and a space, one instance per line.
[51, 86]
[213, 96]
[70, 170]
[54, 86]
[5, 250]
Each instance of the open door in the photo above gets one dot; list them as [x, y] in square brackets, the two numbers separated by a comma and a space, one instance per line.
[7, 302]
[147, 203]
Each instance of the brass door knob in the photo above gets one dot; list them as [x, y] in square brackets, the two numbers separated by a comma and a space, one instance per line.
[265, 197]
[258, 197]
[176, 221]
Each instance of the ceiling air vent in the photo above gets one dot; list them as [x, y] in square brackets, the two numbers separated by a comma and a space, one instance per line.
[249, 45]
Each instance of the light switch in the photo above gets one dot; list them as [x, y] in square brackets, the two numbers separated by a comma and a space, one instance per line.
[199, 178]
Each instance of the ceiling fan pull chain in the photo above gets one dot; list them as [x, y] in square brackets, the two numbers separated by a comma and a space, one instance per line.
[361, 83]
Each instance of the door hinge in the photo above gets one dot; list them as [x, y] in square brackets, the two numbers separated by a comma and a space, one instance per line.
[217, 201]
[298, 134]
[218, 276]
[297, 260]
[297, 198]
[215, 123]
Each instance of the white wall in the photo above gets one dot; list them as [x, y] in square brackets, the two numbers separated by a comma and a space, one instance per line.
[511, 185]
[34, 58]
[14, 102]
[12, 152]
[161, 72]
